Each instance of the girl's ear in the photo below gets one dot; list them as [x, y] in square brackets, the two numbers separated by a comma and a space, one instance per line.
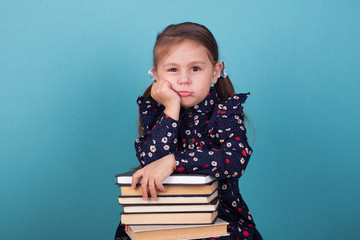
[217, 70]
[154, 72]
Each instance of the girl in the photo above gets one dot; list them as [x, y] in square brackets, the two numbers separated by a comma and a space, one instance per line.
[189, 126]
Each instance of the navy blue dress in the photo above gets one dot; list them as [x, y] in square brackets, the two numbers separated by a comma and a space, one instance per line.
[209, 138]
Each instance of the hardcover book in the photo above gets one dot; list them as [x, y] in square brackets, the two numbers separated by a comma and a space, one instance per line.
[169, 218]
[182, 189]
[172, 232]
[170, 199]
[172, 208]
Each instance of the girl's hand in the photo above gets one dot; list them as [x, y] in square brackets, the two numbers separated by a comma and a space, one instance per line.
[162, 92]
[153, 175]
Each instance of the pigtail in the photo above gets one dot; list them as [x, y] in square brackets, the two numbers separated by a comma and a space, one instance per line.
[224, 87]
[146, 94]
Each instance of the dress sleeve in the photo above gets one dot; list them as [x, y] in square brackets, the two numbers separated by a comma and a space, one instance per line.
[226, 152]
[160, 133]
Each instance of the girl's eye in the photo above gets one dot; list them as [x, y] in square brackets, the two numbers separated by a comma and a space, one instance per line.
[172, 70]
[195, 69]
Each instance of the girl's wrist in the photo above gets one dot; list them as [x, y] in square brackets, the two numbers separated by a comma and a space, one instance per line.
[173, 111]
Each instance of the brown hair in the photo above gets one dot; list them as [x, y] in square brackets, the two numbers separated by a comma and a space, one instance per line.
[176, 33]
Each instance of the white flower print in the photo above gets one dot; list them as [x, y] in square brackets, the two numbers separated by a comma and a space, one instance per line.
[166, 147]
[214, 168]
[187, 132]
[175, 140]
[199, 135]
[239, 121]
[242, 160]
[241, 145]
[234, 204]
[226, 172]
[224, 187]
[195, 168]
[152, 148]
[174, 125]
[164, 140]
[229, 153]
[195, 159]
[211, 102]
[211, 152]
[137, 140]
[184, 160]
[214, 163]
[242, 128]
[191, 154]
[236, 97]
[237, 117]
[196, 122]
[150, 154]
[169, 134]
[145, 112]
[217, 175]
[196, 106]
[228, 144]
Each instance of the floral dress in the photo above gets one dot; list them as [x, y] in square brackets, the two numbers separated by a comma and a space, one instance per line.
[209, 138]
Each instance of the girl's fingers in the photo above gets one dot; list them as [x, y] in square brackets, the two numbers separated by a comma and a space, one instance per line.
[159, 186]
[135, 178]
[144, 185]
[152, 189]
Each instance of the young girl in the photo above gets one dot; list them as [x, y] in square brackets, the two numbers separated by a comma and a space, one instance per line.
[191, 121]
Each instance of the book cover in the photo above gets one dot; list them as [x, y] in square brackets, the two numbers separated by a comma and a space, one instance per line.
[169, 199]
[213, 206]
[172, 232]
[125, 178]
[207, 188]
[169, 218]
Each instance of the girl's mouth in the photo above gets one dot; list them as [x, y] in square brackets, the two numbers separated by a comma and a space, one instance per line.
[184, 93]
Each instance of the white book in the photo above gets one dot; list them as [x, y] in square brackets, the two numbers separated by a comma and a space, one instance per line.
[193, 179]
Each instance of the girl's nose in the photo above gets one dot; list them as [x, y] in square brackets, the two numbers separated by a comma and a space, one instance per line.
[184, 79]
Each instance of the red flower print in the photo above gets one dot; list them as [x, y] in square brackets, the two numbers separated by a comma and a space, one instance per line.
[243, 153]
[227, 160]
[206, 166]
[240, 209]
[237, 138]
[166, 116]
[180, 169]
[246, 233]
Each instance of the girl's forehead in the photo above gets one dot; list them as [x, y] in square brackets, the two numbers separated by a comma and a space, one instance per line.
[185, 48]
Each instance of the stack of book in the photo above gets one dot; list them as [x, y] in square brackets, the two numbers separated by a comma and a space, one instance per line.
[187, 209]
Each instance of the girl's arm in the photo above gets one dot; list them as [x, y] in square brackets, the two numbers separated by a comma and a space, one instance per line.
[165, 129]
[158, 141]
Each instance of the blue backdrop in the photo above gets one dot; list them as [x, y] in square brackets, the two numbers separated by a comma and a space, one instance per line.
[70, 73]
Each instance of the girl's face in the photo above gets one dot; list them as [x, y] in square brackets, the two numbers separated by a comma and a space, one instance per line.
[190, 72]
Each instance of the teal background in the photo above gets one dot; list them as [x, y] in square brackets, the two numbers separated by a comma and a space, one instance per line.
[70, 73]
